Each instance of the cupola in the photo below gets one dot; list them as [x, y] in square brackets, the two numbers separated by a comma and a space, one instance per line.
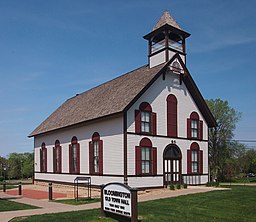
[165, 40]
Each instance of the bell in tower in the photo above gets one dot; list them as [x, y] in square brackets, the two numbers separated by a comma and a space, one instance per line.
[165, 40]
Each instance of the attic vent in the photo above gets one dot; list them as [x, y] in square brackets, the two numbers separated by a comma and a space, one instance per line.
[176, 67]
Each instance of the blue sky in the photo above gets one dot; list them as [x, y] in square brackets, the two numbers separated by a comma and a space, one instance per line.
[52, 49]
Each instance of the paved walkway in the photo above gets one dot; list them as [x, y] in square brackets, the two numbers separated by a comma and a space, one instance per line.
[53, 207]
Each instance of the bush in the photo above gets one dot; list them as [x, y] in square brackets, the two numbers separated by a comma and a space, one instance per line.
[1, 178]
[171, 187]
[212, 184]
[178, 186]
[185, 186]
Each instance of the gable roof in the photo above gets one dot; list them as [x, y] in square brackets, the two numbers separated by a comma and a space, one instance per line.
[109, 98]
[117, 96]
[166, 18]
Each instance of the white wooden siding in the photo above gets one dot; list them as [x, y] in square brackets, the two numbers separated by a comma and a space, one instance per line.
[156, 96]
[110, 132]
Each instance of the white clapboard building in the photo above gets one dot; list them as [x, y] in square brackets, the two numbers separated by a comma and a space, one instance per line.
[146, 128]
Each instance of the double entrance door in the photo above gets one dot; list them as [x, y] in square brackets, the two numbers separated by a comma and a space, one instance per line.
[172, 164]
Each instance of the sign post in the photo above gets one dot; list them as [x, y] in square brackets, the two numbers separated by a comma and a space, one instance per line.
[118, 198]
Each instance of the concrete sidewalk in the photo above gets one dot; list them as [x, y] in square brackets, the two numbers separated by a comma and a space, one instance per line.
[53, 207]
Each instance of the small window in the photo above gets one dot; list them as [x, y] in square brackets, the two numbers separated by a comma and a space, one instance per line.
[43, 158]
[74, 156]
[145, 158]
[57, 157]
[96, 155]
[145, 119]
[194, 159]
[194, 127]
[145, 122]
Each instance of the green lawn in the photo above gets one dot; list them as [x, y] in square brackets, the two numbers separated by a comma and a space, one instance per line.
[6, 205]
[78, 202]
[237, 204]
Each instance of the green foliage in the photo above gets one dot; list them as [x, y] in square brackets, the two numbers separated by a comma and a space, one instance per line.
[237, 204]
[212, 184]
[185, 186]
[11, 206]
[78, 202]
[172, 187]
[178, 186]
[20, 165]
[220, 147]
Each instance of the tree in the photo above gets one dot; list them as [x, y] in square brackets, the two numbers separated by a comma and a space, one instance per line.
[20, 165]
[220, 147]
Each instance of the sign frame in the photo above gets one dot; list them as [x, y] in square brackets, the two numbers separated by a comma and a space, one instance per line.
[129, 197]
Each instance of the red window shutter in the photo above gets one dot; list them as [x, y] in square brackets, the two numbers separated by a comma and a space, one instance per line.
[172, 116]
[60, 159]
[138, 160]
[70, 158]
[189, 162]
[153, 121]
[189, 128]
[100, 157]
[201, 129]
[54, 159]
[41, 160]
[137, 121]
[78, 158]
[201, 161]
[154, 160]
[90, 158]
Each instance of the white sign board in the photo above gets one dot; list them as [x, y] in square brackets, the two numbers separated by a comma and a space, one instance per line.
[117, 199]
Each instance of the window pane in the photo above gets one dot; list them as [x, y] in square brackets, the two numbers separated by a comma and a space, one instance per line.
[96, 164]
[194, 124]
[194, 155]
[194, 167]
[194, 133]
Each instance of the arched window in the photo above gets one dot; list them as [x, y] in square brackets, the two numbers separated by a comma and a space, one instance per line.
[194, 127]
[74, 156]
[57, 156]
[96, 155]
[145, 119]
[145, 158]
[195, 159]
[43, 158]
[171, 116]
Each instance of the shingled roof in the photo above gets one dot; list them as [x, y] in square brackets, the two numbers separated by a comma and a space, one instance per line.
[109, 98]
[166, 18]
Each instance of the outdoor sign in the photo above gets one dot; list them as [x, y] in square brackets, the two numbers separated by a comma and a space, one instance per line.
[119, 199]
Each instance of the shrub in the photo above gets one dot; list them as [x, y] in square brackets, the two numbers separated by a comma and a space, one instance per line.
[172, 187]
[212, 184]
[185, 186]
[178, 186]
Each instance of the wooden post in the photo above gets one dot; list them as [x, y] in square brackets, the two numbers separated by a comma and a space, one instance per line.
[134, 198]
[20, 189]
[4, 186]
[102, 212]
[50, 191]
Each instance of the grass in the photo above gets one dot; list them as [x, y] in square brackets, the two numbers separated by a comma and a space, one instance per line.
[237, 204]
[7, 205]
[78, 202]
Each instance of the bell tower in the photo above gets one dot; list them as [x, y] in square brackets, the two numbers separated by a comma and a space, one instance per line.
[165, 40]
